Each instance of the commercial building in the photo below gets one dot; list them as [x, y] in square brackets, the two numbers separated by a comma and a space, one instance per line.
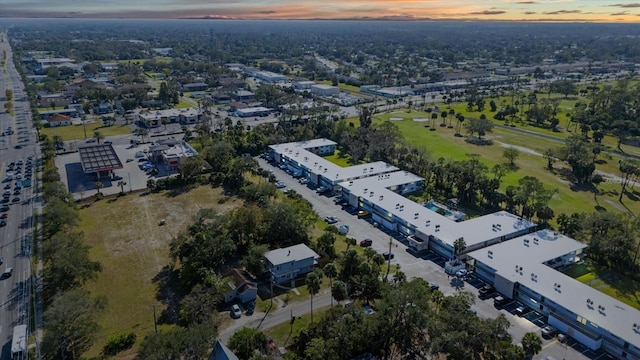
[325, 90]
[156, 118]
[244, 96]
[253, 111]
[45, 114]
[170, 152]
[99, 159]
[58, 120]
[303, 85]
[270, 77]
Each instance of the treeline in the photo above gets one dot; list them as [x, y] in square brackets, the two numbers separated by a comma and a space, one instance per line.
[612, 238]
[410, 321]
[71, 313]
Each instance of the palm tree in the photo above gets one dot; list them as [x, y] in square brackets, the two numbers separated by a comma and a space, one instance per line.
[331, 271]
[444, 118]
[58, 142]
[434, 117]
[98, 136]
[314, 279]
[121, 184]
[531, 343]
[142, 132]
[460, 121]
[98, 185]
[459, 245]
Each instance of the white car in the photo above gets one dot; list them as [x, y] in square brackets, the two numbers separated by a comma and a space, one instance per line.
[236, 313]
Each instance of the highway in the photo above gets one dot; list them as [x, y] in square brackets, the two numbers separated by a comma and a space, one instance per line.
[16, 236]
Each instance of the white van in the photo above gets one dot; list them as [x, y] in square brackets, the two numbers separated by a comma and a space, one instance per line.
[7, 272]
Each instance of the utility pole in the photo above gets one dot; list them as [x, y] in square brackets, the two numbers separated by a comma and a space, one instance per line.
[155, 323]
[389, 259]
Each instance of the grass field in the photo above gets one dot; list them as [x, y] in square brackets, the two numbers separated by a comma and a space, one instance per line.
[442, 143]
[621, 288]
[76, 132]
[125, 237]
[284, 333]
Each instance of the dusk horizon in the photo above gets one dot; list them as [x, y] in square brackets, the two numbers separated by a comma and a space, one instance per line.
[605, 11]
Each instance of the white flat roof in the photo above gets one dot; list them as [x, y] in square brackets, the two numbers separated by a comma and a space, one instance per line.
[617, 317]
[281, 148]
[323, 86]
[296, 152]
[473, 231]
[291, 253]
[386, 180]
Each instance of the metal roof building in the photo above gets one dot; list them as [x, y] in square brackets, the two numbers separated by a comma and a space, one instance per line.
[98, 158]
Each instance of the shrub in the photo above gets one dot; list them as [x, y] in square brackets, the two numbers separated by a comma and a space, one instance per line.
[118, 343]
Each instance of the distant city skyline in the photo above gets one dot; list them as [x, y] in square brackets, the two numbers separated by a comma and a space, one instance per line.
[499, 10]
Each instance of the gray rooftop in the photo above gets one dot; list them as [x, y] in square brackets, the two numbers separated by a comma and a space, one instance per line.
[474, 231]
[297, 152]
[360, 187]
[99, 157]
[291, 253]
[615, 316]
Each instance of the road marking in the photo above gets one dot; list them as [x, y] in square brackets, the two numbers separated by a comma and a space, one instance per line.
[555, 341]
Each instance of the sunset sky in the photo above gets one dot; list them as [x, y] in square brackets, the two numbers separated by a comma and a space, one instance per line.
[520, 10]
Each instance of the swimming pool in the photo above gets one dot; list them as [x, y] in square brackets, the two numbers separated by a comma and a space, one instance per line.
[435, 208]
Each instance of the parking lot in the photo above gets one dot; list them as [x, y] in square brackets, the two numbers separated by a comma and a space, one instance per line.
[430, 267]
[132, 173]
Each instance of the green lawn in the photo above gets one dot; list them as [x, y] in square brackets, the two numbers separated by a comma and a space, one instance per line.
[41, 109]
[342, 86]
[134, 251]
[442, 143]
[624, 288]
[284, 333]
[76, 132]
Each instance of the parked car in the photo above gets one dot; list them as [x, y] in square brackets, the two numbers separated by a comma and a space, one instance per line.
[7, 272]
[3, 223]
[434, 286]
[388, 255]
[366, 242]
[461, 273]
[251, 308]
[362, 213]
[330, 219]
[321, 190]
[343, 229]
[486, 289]
[499, 301]
[521, 310]
[236, 313]
[304, 181]
[548, 331]
[280, 184]
[90, 140]
[368, 310]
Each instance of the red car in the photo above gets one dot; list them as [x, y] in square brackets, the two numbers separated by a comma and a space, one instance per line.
[366, 242]
[4, 216]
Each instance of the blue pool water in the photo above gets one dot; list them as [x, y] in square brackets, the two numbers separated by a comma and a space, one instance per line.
[435, 208]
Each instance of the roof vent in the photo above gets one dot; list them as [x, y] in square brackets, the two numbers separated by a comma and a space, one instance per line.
[428, 223]
[535, 241]
[636, 328]
[381, 197]
[590, 303]
[601, 308]
[490, 254]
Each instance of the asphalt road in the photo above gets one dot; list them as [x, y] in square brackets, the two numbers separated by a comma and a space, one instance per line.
[16, 237]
